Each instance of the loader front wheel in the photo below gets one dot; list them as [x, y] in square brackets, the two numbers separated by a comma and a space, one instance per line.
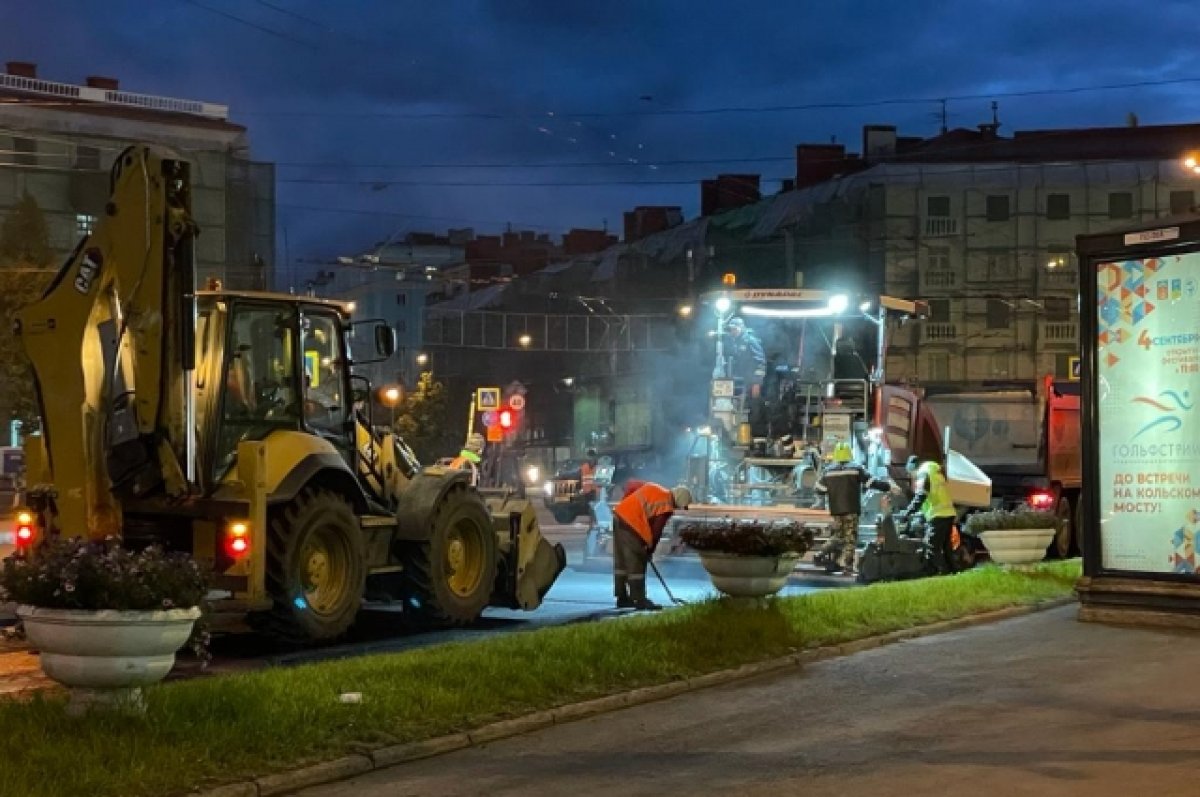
[448, 579]
[316, 568]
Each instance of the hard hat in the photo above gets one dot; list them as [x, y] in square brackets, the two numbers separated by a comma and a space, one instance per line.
[735, 323]
[681, 497]
[841, 453]
[475, 443]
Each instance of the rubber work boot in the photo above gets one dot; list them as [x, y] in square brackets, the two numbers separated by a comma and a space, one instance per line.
[637, 591]
[621, 590]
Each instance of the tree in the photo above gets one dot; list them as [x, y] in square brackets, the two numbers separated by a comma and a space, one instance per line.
[26, 267]
[422, 420]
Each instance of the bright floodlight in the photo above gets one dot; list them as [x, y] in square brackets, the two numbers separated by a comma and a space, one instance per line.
[839, 302]
[685, 310]
[1190, 163]
[723, 304]
[865, 306]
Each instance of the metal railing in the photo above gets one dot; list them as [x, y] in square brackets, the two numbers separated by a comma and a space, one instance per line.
[113, 97]
[481, 329]
[938, 331]
[939, 279]
[940, 226]
[1060, 332]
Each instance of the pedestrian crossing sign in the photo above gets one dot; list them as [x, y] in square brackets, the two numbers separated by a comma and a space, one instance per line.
[487, 398]
[1073, 368]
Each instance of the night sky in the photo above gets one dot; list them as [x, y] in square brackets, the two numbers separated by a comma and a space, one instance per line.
[349, 96]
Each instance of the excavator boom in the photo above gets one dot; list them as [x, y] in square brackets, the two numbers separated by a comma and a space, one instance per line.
[111, 343]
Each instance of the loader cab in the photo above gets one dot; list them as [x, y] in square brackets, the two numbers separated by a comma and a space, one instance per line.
[268, 363]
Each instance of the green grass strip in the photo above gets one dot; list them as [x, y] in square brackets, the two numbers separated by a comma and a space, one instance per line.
[212, 730]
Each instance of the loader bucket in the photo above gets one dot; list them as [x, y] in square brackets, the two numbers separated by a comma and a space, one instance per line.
[529, 564]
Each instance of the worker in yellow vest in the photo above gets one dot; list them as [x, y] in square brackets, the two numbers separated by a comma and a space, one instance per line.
[470, 457]
[931, 497]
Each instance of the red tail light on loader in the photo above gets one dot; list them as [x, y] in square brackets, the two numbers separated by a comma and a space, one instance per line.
[237, 539]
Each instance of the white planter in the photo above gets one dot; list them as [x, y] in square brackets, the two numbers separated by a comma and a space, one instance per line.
[106, 656]
[1017, 546]
[742, 576]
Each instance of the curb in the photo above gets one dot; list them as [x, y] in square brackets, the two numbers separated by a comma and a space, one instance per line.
[354, 764]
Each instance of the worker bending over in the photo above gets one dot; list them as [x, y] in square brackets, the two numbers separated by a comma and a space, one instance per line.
[638, 524]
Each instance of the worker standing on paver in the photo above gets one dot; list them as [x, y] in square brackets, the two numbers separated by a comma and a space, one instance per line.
[638, 524]
[841, 485]
[470, 456]
[931, 497]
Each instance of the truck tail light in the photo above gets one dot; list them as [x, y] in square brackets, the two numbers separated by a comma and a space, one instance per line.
[237, 538]
[25, 529]
[1041, 500]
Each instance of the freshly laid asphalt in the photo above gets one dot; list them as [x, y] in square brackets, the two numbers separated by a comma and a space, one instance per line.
[1039, 705]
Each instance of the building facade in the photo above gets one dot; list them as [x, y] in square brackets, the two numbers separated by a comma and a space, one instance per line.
[58, 142]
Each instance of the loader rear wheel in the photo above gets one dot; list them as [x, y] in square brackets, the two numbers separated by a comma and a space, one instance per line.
[316, 568]
[448, 579]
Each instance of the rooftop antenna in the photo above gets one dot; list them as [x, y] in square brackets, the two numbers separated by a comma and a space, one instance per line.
[945, 129]
[995, 114]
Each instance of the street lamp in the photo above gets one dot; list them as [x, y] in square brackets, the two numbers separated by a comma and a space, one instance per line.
[525, 340]
[685, 311]
[391, 396]
[422, 359]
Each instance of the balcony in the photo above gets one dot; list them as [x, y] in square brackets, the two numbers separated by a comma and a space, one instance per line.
[938, 332]
[940, 226]
[1059, 333]
[941, 279]
[1060, 279]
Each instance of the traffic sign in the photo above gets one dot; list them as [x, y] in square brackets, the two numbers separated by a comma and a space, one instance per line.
[1073, 368]
[489, 418]
[487, 398]
[517, 402]
[495, 434]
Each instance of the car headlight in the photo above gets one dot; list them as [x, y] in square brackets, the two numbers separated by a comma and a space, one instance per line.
[548, 489]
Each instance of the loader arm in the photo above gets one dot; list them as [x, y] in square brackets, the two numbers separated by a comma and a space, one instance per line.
[111, 343]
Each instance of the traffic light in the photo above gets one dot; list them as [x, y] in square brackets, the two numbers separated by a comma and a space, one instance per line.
[507, 420]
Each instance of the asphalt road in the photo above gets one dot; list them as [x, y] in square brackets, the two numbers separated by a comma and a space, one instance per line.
[578, 596]
[1041, 705]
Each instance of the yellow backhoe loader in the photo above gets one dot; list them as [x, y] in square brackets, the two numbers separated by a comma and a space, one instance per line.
[229, 425]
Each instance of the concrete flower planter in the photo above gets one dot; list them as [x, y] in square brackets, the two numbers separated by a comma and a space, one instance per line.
[106, 657]
[1017, 546]
[741, 576]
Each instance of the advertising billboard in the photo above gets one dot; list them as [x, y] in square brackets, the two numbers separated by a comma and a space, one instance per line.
[1147, 392]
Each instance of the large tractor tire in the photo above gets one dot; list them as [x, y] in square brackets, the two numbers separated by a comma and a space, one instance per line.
[316, 568]
[1060, 547]
[448, 579]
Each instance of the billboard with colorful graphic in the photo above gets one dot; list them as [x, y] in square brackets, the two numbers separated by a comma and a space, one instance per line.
[1147, 391]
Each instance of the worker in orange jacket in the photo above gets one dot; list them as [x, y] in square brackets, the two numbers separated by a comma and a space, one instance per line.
[638, 524]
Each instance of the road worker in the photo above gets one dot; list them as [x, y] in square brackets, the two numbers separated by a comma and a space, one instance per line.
[931, 497]
[841, 486]
[638, 524]
[470, 456]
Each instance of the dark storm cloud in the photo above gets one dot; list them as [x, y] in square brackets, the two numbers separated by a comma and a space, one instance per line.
[358, 67]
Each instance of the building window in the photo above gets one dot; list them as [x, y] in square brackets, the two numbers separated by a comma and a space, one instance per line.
[937, 367]
[939, 311]
[84, 224]
[1059, 260]
[1182, 202]
[1000, 363]
[937, 258]
[1000, 266]
[1057, 308]
[999, 314]
[401, 299]
[1058, 206]
[87, 158]
[26, 151]
[938, 206]
[1120, 205]
[997, 207]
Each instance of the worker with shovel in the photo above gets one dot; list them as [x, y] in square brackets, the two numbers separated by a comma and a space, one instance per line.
[638, 524]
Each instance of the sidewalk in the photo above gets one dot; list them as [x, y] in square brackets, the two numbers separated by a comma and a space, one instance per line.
[1041, 705]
